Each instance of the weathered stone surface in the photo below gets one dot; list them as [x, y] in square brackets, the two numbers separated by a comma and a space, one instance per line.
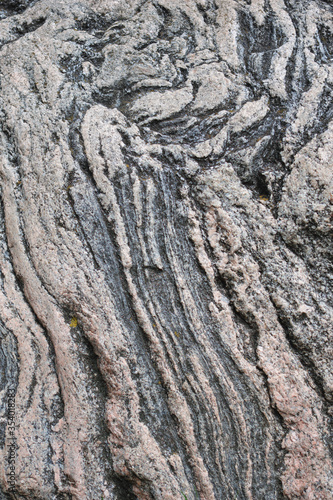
[166, 248]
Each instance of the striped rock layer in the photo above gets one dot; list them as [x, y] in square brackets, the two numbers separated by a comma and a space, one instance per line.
[166, 249]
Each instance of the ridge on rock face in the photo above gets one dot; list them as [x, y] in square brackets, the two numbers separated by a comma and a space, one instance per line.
[166, 249]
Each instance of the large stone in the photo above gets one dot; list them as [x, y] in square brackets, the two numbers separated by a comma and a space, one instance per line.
[166, 249]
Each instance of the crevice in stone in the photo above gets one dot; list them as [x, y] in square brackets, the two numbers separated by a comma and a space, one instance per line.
[10, 8]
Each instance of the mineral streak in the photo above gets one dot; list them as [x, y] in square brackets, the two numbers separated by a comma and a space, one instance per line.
[166, 249]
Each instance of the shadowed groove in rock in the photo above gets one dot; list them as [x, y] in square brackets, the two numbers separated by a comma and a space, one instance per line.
[166, 188]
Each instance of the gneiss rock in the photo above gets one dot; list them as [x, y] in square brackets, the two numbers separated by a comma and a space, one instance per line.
[166, 248]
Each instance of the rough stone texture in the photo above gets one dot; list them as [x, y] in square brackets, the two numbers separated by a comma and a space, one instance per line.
[166, 248]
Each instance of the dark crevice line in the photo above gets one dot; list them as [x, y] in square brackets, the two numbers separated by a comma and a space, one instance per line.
[20, 285]
[228, 292]
[23, 29]
[122, 486]
[124, 287]
[194, 405]
[52, 357]
[143, 289]
[45, 333]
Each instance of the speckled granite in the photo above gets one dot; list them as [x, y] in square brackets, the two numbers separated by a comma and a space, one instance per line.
[166, 249]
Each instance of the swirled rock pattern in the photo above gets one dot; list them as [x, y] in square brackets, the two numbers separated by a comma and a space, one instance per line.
[166, 248]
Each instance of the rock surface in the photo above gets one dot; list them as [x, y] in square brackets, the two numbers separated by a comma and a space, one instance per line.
[166, 248]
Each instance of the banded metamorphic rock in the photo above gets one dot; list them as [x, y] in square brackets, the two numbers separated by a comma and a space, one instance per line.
[166, 248]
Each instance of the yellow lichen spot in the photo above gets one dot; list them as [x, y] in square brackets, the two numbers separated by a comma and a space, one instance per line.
[68, 187]
[18, 183]
[177, 334]
[154, 325]
[263, 197]
[73, 323]
[127, 166]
